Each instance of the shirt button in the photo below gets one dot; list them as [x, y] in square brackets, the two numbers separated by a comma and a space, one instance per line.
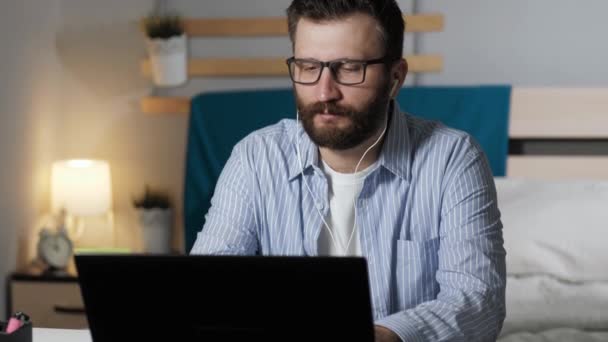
[320, 206]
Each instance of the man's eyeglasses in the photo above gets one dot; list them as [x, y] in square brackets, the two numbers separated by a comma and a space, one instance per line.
[343, 71]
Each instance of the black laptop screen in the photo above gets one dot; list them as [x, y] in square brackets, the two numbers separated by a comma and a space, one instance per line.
[225, 298]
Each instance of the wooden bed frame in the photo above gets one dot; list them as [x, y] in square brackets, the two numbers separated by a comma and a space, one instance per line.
[562, 114]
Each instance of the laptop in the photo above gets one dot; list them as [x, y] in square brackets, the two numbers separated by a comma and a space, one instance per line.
[225, 298]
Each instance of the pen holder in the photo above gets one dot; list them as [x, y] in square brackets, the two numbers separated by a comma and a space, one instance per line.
[23, 334]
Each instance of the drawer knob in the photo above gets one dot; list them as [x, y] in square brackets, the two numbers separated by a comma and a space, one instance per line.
[69, 310]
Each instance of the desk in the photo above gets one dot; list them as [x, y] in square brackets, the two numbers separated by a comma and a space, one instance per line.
[61, 335]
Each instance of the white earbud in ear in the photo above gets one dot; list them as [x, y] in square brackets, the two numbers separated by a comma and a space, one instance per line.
[394, 89]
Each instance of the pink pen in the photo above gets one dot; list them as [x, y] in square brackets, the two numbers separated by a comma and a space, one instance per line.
[16, 321]
[13, 324]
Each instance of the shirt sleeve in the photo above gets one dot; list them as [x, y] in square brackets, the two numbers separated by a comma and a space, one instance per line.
[470, 305]
[229, 227]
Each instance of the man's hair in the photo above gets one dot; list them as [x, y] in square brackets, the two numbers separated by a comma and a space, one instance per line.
[386, 12]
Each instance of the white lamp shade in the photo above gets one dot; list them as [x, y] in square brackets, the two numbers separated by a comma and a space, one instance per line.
[81, 187]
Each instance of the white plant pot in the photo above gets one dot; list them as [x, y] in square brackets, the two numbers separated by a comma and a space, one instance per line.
[156, 230]
[168, 60]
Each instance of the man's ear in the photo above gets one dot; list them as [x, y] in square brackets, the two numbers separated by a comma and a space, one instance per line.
[398, 73]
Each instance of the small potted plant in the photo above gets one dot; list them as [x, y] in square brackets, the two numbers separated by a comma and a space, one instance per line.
[155, 218]
[167, 48]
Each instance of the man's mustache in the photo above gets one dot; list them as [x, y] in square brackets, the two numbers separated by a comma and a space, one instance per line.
[322, 107]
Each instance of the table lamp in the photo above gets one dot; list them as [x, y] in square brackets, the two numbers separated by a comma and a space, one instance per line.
[81, 188]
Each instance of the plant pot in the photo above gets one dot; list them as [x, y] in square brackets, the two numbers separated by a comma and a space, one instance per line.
[156, 229]
[168, 60]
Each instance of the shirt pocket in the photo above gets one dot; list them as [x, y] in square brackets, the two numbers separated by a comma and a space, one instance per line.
[417, 263]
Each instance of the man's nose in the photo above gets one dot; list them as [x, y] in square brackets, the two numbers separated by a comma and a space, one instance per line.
[327, 89]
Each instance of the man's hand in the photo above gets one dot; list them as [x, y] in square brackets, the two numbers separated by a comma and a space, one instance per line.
[383, 334]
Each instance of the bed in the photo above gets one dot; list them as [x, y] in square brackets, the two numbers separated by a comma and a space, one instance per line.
[555, 218]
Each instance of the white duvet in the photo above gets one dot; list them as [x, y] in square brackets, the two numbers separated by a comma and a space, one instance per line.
[539, 303]
[557, 335]
[555, 227]
[544, 308]
[556, 235]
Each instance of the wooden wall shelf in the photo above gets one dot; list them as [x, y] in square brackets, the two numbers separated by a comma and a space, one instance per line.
[277, 26]
[264, 67]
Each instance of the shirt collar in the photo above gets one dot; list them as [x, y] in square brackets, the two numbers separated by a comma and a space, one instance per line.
[394, 155]
[304, 150]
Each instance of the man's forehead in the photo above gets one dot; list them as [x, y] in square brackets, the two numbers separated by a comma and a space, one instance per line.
[359, 20]
[353, 32]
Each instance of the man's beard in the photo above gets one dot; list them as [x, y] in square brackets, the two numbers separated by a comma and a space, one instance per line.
[363, 124]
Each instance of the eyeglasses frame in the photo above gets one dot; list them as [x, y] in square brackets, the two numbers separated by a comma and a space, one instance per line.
[329, 65]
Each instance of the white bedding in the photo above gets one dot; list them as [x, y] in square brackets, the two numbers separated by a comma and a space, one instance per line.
[555, 227]
[540, 303]
[557, 335]
[556, 236]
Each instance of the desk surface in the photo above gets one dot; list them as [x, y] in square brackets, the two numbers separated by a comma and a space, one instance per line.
[61, 335]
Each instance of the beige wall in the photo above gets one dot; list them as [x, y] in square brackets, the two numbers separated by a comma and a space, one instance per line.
[30, 82]
[541, 43]
[99, 45]
[69, 86]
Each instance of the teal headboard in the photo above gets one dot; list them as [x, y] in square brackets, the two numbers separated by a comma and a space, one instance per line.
[219, 120]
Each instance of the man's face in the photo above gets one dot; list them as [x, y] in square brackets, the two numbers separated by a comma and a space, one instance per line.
[340, 116]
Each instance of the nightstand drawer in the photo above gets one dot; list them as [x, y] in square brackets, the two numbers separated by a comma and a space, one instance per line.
[49, 304]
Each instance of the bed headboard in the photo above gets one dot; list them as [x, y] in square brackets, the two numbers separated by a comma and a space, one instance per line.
[559, 115]
[218, 121]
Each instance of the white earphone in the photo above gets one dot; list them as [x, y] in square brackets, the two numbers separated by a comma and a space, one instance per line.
[336, 244]
[395, 85]
[331, 235]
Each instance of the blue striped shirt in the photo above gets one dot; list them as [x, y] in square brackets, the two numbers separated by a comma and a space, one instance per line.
[428, 223]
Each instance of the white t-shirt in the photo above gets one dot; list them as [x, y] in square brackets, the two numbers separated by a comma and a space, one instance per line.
[344, 189]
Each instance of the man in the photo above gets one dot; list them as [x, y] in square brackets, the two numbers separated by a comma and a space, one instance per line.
[415, 198]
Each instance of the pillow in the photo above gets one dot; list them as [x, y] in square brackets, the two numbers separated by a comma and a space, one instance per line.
[559, 228]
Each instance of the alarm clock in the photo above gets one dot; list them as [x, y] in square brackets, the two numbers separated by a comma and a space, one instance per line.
[55, 249]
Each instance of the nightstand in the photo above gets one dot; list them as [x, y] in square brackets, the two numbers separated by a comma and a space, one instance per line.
[51, 301]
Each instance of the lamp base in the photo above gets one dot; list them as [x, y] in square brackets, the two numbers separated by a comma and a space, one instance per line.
[92, 231]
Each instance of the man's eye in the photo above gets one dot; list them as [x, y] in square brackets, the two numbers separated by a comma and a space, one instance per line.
[351, 67]
[308, 67]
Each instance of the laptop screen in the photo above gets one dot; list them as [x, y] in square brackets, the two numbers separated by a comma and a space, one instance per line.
[225, 298]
